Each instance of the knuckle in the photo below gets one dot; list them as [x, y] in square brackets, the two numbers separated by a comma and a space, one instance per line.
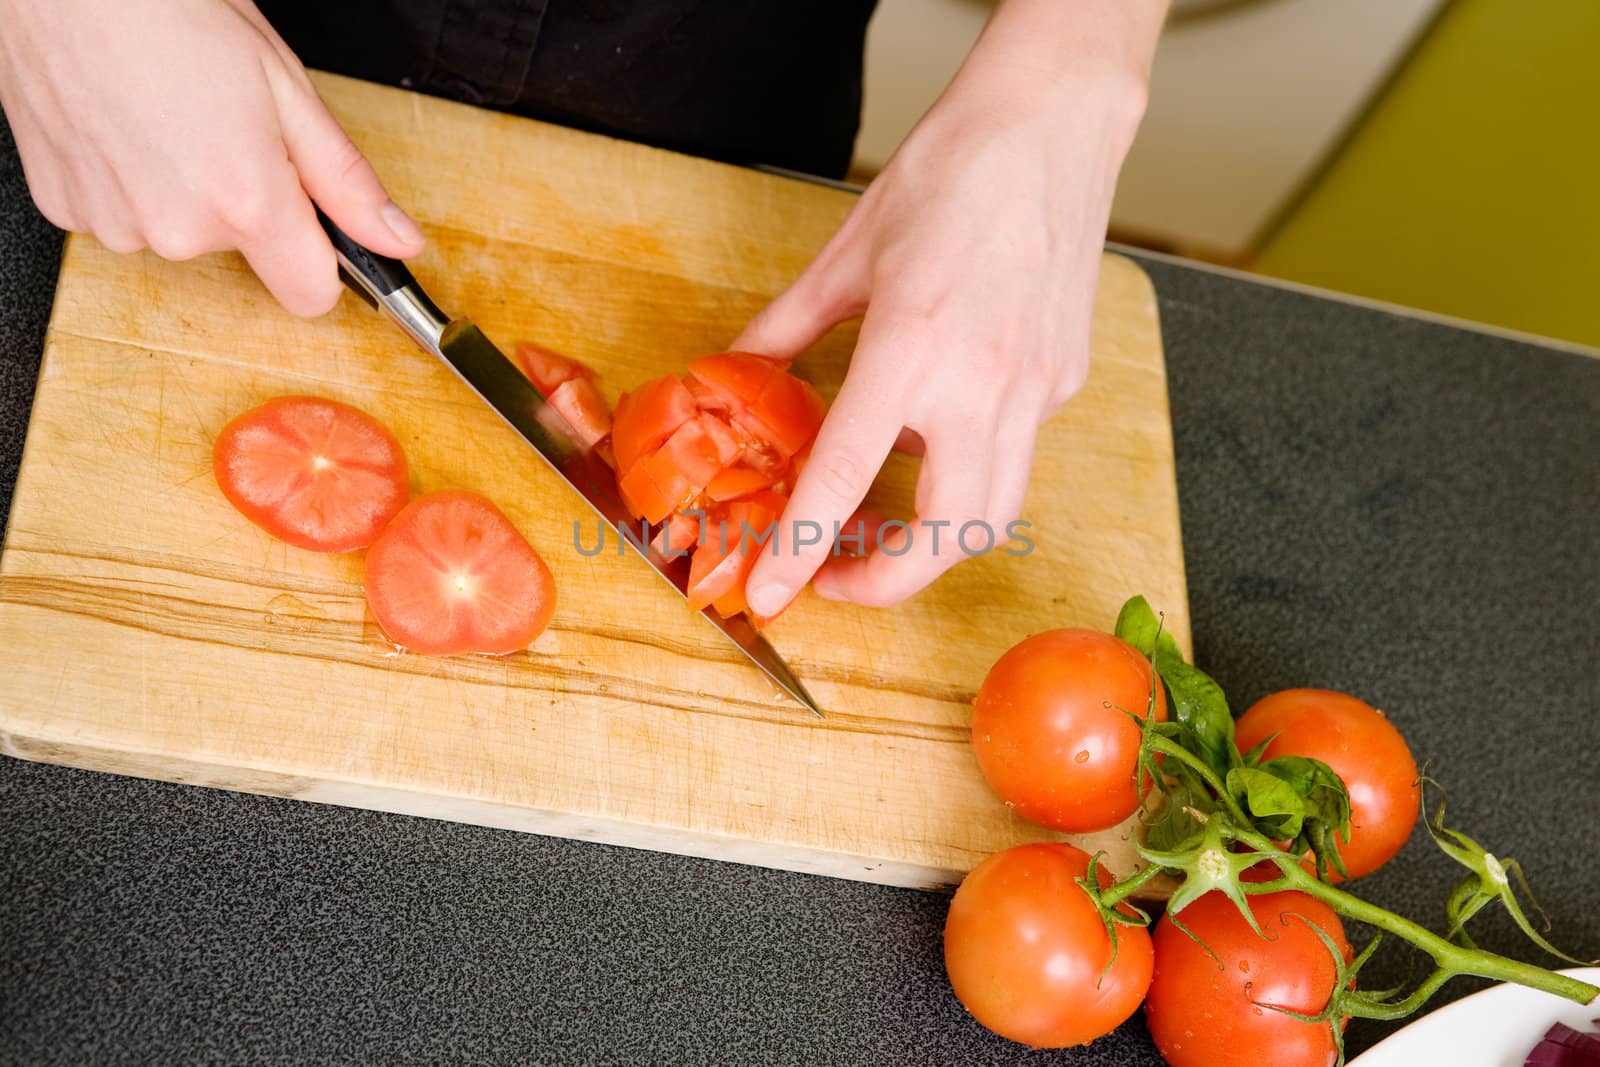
[246, 211]
[177, 241]
[842, 475]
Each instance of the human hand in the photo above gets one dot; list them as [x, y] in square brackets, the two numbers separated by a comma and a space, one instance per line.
[974, 257]
[187, 126]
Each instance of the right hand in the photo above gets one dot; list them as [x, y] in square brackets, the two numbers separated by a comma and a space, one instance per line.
[187, 126]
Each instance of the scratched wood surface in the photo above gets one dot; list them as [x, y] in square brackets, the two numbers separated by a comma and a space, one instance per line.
[147, 629]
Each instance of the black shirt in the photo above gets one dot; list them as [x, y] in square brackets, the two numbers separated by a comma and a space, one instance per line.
[747, 81]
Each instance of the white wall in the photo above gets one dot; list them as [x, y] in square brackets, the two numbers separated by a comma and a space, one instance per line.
[1244, 105]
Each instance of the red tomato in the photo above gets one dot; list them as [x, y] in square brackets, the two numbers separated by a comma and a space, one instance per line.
[315, 473]
[1026, 950]
[1202, 1014]
[451, 574]
[733, 541]
[648, 416]
[737, 481]
[548, 369]
[583, 409]
[770, 404]
[1049, 731]
[1363, 747]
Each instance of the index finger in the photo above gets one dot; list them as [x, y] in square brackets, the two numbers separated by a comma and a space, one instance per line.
[850, 448]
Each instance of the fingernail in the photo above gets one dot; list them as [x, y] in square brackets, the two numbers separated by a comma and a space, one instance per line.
[400, 224]
[826, 590]
[768, 599]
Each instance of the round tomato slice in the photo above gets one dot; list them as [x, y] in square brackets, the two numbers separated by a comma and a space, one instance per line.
[315, 473]
[451, 574]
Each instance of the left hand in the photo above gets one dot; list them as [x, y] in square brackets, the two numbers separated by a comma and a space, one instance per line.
[974, 258]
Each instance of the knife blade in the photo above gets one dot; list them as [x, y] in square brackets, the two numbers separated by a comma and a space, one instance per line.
[388, 285]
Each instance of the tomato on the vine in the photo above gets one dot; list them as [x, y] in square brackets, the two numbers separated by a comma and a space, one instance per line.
[1027, 952]
[1052, 733]
[1363, 747]
[1205, 1010]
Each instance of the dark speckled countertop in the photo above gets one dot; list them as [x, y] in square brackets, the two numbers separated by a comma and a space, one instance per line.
[1371, 502]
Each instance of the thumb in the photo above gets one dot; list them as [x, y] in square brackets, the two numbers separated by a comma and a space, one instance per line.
[339, 178]
[832, 289]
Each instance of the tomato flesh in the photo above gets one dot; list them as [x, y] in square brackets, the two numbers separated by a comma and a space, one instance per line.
[1363, 747]
[584, 410]
[315, 473]
[1204, 1011]
[451, 574]
[648, 416]
[729, 434]
[1050, 733]
[548, 370]
[1027, 952]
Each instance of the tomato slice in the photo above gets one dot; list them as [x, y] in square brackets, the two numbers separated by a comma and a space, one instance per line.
[451, 574]
[547, 369]
[648, 416]
[580, 404]
[315, 473]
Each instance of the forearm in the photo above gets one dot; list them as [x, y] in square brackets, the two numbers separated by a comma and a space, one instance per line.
[1065, 54]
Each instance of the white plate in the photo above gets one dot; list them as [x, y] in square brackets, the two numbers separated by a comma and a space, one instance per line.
[1496, 1027]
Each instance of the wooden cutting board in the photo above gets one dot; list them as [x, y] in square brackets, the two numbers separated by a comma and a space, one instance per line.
[147, 629]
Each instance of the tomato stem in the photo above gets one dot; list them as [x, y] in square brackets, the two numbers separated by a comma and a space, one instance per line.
[1176, 751]
[1452, 959]
[1117, 892]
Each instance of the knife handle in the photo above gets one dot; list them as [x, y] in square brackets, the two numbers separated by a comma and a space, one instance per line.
[379, 274]
[388, 285]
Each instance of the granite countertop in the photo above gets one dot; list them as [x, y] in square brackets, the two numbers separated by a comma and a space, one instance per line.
[1371, 502]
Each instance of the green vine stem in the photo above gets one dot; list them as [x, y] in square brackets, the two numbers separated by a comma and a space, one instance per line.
[1451, 959]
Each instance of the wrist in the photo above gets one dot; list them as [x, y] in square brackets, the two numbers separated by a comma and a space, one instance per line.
[1082, 56]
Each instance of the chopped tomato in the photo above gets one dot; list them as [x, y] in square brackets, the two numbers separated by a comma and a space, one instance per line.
[721, 439]
[648, 416]
[677, 535]
[451, 574]
[724, 559]
[739, 480]
[787, 414]
[315, 473]
[738, 378]
[583, 408]
[547, 369]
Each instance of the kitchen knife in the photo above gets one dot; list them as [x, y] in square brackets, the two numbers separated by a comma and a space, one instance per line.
[388, 285]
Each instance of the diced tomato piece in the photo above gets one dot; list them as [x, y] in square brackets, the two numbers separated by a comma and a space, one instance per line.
[643, 497]
[677, 535]
[787, 414]
[452, 574]
[716, 568]
[737, 377]
[727, 443]
[648, 416]
[739, 481]
[731, 603]
[693, 453]
[315, 473]
[584, 409]
[607, 454]
[707, 398]
[547, 369]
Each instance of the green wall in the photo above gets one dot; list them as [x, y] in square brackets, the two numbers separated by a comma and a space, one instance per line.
[1473, 188]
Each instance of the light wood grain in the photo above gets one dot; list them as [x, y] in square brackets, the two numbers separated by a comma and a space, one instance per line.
[145, 628]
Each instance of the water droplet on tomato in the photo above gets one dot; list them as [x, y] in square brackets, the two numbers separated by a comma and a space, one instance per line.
[1244, 965]
[1082, 756]
[1256, 1010]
